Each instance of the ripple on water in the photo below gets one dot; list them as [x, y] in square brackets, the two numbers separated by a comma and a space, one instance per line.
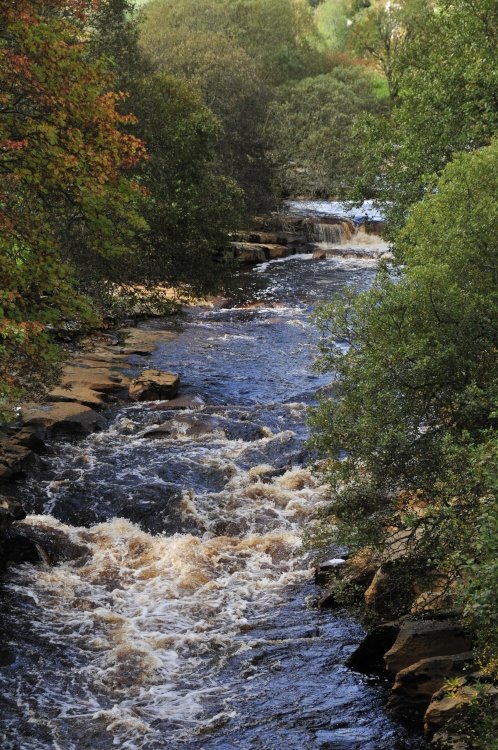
[186, 622]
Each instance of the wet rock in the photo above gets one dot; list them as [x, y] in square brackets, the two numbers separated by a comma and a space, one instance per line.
[418, 682]
[324, 569]
[10, 511]
[368, 658]
[28, 437]
[180, 403]
[250, 253]
[80, 395]
[101, 379]
[201, 425]
[278, 251]
[63, 419]
[361, 253]
[16, 460]
[34, 542]
[154, 385]
[423, 639]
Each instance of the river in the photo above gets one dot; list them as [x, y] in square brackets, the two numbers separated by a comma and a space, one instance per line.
[188, 618]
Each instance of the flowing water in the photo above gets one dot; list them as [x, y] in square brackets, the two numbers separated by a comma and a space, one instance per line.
[183, 613]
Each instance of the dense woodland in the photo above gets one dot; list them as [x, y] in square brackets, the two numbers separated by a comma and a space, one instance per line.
[135, 136]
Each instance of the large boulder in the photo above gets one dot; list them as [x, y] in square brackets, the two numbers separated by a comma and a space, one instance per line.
[449, 701]
[10, 511]
[78, 394]
[63, 419]
[423, 639]
[368, 658]
[154, 385]
[421, 680]
[141, 342]
[248, 252]
[16, 460]
[101, 379]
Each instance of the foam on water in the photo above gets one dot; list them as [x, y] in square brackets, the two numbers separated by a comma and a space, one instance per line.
[145, 613]
[176, 616]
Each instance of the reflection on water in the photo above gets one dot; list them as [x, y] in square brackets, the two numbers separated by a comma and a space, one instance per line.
[185, 618]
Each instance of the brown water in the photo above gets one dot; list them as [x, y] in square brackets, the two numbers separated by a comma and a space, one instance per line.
[189, 620]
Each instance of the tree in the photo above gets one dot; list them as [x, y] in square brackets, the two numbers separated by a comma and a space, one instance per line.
[310, 125]
[381, 30]
[65, 194]
[446, 82]
[232, 89]
[278, 35]
[191, 206]
[236, 53]
[416, 391]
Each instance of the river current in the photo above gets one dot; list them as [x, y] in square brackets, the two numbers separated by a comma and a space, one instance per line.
[187, 618]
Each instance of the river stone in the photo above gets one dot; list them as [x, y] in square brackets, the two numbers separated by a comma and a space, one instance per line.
[421, 680]
[63, 418]
[247, 252]
[33, 542]
[78, 394]
[154, 385]
[264, 238]
[10, 511]
[15, 460]
[103, 379]
[28, 437]
[368, 658]
[142, 342]
[423, 639]
[185, 402]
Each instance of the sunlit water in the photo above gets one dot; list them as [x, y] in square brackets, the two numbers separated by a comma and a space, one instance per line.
[186, 616]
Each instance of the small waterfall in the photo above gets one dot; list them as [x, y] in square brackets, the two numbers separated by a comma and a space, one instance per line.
[330, 232]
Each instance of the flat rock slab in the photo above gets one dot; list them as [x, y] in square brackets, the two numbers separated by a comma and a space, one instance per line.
[142, 342]
[64, 419]
[101, 379]
[423, 639]
[421, 680]
[79, 395]
[180, 403]
[154, 385]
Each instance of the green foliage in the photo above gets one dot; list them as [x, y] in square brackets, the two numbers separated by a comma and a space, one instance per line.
[311, 123]
[65, 192]
[190, 205]
[446, 77]
[276, 34]
[332, 23]
[191, 208]
[480, 593]
[237, 54]
[416, 389]
[230, 85]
